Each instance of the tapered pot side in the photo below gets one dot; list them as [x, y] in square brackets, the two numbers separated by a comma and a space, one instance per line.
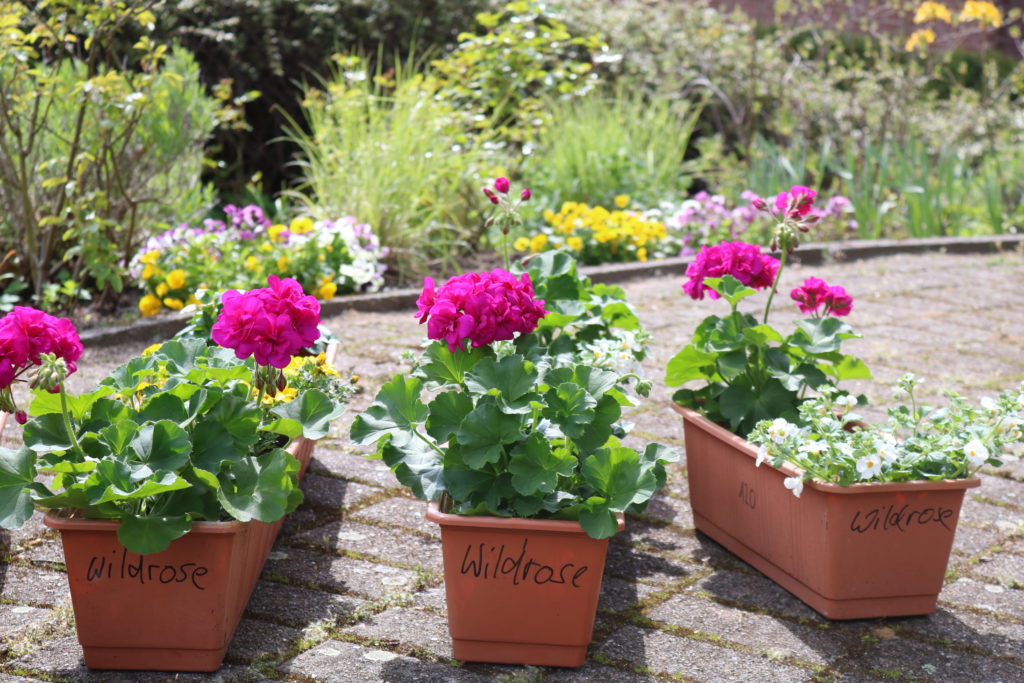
[175, 610]
[854, 552]
[520, 591]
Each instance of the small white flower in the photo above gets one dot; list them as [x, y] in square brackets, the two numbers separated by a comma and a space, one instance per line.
[794, 484]
[762, 455]
[887, 450]
[976, 452]
[989, 404]
[812, 447]
[1020, 401]
[780, 430]
[869, 466]
[846, 401]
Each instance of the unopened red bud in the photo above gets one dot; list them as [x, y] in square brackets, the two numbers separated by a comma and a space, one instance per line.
[502, 185]
[487, 191]
[759, 204]
[526, 195]
[21, 417]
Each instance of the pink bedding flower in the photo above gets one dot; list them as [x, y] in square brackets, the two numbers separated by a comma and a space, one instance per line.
[480, 307]
[796, 203]
[815, 294]
[271, 324]
[26, 333]
[743, 261]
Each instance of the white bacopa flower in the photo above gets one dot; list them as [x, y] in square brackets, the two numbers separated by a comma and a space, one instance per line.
[1020, 401]
[989, 404]
[762, 455]
[780, 430]
[887, 450]
[812, 447]
[794, 484]
[976, 452]
[846, 401]
[869, 466]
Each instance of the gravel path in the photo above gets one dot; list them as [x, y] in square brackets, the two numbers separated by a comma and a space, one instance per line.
[353, 590]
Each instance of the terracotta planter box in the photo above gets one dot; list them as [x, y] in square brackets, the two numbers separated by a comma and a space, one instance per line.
[176, 610]
[853, 552]
[520, 591]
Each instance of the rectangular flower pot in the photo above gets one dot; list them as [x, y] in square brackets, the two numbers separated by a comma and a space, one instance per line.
[175, 610]
[520, 591]
[849, 552]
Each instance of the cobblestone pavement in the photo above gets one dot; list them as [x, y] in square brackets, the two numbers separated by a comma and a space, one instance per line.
[353, 591]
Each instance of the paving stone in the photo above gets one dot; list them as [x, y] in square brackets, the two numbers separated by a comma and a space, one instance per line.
[334, 493]
[668, 654]
[659, 537]
[342, 574]
[1002, 519]
[404, 512]
[1001, 489]
[936, 662]
[619, 594]
[254, 638]
[760, 632]
[15, 619]
[1000, 637]
[31, 529]
[1005, 569]
[393, 545]
[299, 606]
[670, 509]
[983, 595]
[627, 562]
[33, 586]
[43, 551]
[408, 627]
[754, 590]
[342, 461]
[6, 678]
[431, 598]
[592, 671]
[340, 662]
[304, 518]
[971, 541]
[61, 658]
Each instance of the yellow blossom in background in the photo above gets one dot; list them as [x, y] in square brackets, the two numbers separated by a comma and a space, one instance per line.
[920, 38]
[985, 13]
[252, 263]
[282, 263]
[538, 242]
[149, 305]
[575, 243]
[300, 225]
[150, 271]
[622, 201]
[162, 289]
[176, 279]
[266, 247]
[150, 350]
[274, 232]
[521, 244]
[174, 304]
[193, 301]
[932, 11]
[150, 258]
[327, 289]
[641, 254]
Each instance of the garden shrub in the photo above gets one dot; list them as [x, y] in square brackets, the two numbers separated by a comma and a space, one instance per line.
[326, 257]
[93, 156]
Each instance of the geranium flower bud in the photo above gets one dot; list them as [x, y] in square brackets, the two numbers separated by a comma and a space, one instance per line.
[502, 185]
[526, 195]
[21, 417]
[759, 204]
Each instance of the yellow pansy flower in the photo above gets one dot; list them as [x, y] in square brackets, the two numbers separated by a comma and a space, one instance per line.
[149, 305]
[252, 263]
[274, 232]
[266, 247]
[162, 289]
[641, 254]
[176, 279]
[575, 243]
[931, 11]
[174, 304]
[150, 257]
[538, 242]
[301, 225]
[985, 13]
[282, 263]
[150, 271]
[521, 243]
[621, 201]
[327, 291]
[919, 38]
[150, 350]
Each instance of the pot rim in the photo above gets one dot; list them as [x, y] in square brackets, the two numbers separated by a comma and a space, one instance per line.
[562, 526]
[747, 448]
[62, 520]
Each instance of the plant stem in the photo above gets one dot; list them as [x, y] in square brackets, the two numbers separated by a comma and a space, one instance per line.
[67, 423]
[775, 286]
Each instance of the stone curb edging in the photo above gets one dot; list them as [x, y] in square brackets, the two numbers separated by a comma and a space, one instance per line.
[813, 253]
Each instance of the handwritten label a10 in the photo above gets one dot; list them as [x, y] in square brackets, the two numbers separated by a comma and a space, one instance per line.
[132, 567]
[485, 561]
[889, 517]
[748, 496]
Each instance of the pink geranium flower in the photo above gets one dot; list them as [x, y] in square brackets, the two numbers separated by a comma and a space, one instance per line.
[796, 203]
[26, 334]
[817, 297]
[480, 307]
[271, 324]
[743, 261]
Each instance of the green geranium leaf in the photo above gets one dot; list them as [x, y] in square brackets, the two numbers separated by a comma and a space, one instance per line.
[510, 378]
[106, 412]
[212, 446]
[447, 367]
[846, 368]
[397, 410]
[17, 472]
[727, 334]
[239, 416]
[259, 488]
[691, 363]
[313, 410]
[550, 264]
[821, 335]
[416, 465]
[744, 406]
[597, 518]
[535, 467]
[485, 431]
[120, 483]
[803, 374]
[118, 435]
[45, 403]
[731, 289]
[181, 355]
[127, 378]
[163, 406]
[47, 433]
[616, 475]
[145, 535]
[606, 413]
[162, 445]
[286, 426]
[447, 412]
[571, 408]
[732, 364]
[596, 381]
[760, 335]
[463, 482]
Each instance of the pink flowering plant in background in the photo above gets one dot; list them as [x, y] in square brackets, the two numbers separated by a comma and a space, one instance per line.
[744, 369]
[177, 435]
[501, 414]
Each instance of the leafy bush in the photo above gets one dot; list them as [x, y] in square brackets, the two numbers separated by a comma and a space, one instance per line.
[326, 257]
[93, 156]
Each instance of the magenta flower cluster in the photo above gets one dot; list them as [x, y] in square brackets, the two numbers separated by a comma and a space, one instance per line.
[26, 334]
[745, 262]
[819, 298]
[272, 324]
[480, 307]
